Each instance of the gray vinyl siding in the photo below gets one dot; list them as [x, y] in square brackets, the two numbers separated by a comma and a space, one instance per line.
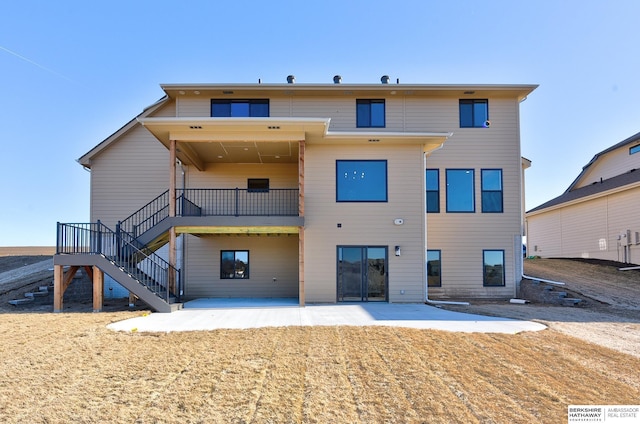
[462, 236]
[127, 175]
[610, 165]
[364, 224]
[575, 231]
[269, 257]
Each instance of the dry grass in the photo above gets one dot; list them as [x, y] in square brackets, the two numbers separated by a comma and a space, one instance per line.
[60, 368]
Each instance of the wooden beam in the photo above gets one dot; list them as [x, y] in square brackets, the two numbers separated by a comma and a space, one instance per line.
[89, 271]
[58, 276]
[172, 178]
[301, 295]
[68, 277]
[98, 289]
[172, 258]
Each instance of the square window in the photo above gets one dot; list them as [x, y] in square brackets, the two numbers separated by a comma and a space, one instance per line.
[434, 275]
[234, 264]
[493, 268]
[492, 190]
[433, 190]
[258, 185]
[361, 180]
[239, 108]
[370, 113]
[474, 113]
[460, 197]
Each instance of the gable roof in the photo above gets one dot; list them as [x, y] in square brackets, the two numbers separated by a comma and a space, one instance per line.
[626, 179]
[631, 140]
[85, 160]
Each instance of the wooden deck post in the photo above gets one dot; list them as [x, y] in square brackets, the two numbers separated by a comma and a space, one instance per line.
[98, 289]
[301, 295]
[58, 275]
[172, 212]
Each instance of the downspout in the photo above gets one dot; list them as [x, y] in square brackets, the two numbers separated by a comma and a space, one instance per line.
[424, 240]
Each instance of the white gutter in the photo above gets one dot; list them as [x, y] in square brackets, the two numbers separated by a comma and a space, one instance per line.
[424, 242]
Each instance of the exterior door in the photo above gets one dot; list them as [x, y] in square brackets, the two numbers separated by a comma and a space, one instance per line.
[362, 273]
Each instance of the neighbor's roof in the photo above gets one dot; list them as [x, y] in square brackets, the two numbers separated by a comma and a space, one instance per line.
[629, 178]
[631, 140]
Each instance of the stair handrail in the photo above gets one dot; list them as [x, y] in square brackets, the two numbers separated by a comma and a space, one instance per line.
[147, 216]
[146, 267]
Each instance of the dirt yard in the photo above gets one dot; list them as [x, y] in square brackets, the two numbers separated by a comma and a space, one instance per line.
[68, 367]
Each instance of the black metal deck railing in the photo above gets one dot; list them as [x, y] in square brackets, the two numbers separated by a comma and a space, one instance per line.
[146, 267]
[213, 202]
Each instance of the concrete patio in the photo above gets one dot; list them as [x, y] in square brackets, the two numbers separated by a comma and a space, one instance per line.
[213, 314]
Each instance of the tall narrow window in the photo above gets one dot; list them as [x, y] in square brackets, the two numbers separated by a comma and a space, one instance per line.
[239, 108]
[474, 113]
[492, 190]
[493, 269]
[433, 190]
[460, 183]
[234, 264]
[370, 113]
[434, 275]
[361, 180]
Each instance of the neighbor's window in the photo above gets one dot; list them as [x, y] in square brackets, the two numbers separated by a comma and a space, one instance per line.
[433, 190]
[258, 185]
[634, 149]
[361, 180]
[474, 113]
[234, 264]
[493, 270]
[434, 276]
[370, 113]
[491, 190]
[460, 196]
[239, 108]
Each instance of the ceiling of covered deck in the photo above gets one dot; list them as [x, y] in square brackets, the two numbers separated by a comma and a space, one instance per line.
[264, 140]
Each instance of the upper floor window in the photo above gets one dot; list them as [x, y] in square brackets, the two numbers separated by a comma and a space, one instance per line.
[433, 191]
[634, 149]
[474, 113]
[493, 269]
[361, 180]
[491, 190]
[234, 264]
[370, 113]
[460, 183]
[239, 108]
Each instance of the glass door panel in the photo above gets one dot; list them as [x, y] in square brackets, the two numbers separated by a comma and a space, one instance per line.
[376, 278]
[350, 274]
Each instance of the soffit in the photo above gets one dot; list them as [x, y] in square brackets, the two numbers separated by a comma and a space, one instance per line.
[519, 92]
[265, 140]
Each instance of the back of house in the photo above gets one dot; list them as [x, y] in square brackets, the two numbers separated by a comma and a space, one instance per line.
[321, 192]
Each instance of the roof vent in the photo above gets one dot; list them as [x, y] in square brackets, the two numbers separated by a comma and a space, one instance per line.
[337, 79]
[291, 79]
[385, 79]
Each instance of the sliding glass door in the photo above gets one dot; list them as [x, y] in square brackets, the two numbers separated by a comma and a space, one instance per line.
[362, 273]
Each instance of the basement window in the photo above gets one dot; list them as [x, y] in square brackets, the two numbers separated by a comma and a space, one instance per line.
[234, 264]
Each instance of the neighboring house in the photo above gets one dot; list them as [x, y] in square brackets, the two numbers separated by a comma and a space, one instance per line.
[598, 215]
[311, 191]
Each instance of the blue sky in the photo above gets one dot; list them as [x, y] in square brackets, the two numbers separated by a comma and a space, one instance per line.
[73, 72]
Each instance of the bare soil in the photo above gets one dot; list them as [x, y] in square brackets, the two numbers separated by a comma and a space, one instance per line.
[608, 315]
[68, 367]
